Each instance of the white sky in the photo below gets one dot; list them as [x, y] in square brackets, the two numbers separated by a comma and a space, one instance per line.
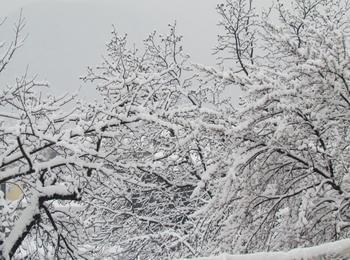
[65, 36]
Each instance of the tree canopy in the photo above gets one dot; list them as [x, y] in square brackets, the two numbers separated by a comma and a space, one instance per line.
[163, 166]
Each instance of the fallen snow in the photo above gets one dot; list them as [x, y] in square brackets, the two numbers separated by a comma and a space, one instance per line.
[334, 249]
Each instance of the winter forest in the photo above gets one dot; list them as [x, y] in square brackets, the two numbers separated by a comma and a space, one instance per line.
[163, 165]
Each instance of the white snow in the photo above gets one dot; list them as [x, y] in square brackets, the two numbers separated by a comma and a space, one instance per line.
[338, 248]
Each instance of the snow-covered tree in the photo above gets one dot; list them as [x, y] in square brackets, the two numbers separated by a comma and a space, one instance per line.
[44, 150]
[161, 156]
[117, 177]
[161, 166]
[289, 186]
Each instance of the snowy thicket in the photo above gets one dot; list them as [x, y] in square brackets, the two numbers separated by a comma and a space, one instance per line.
[159, 151]
[161, 166]
[290, 183]
[42, 151]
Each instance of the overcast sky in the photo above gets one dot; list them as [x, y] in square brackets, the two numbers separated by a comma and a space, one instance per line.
[65, 36]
